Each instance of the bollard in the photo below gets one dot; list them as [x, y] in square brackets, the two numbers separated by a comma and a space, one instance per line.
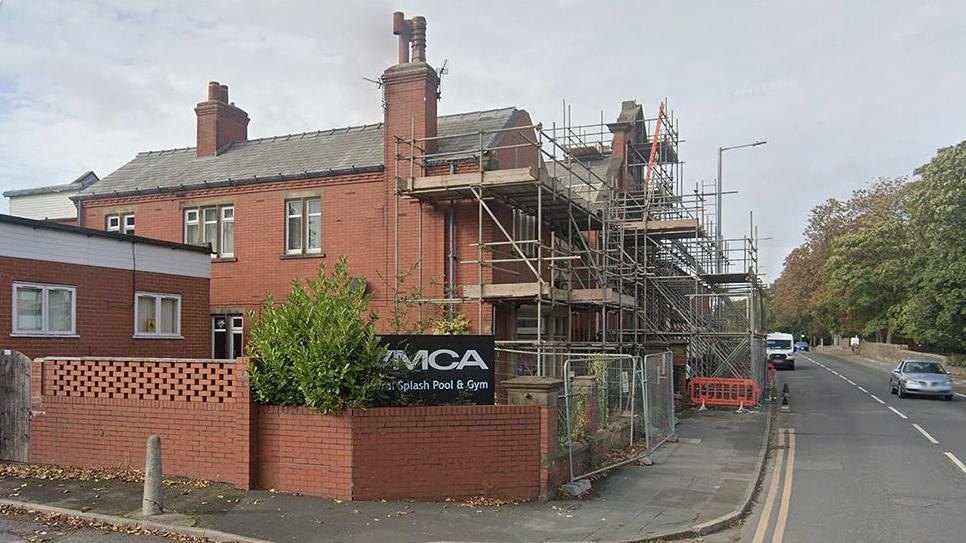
[784, 390]
[785, 408]
[153, 501]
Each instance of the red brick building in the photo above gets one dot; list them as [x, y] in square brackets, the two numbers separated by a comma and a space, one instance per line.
[69, 291]
[273, 209]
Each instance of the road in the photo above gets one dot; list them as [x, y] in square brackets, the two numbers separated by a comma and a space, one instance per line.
[856, 463]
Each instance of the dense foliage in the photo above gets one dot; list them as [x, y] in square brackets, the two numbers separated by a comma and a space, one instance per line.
[889, 261]
[318, 348]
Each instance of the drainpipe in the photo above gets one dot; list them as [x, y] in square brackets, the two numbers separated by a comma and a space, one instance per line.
[452, 258]
[452, 250]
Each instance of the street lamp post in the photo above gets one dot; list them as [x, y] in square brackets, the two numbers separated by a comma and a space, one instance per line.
[717, 202]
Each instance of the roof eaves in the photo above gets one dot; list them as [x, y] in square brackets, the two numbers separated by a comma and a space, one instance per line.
[228, 183]
[90, 232]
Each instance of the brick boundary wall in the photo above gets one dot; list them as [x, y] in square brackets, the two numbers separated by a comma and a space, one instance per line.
[100, 411]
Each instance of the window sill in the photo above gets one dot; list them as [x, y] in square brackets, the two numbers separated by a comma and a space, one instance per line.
[224, 259]
[40, 334]
[156, 336]
[301, 255]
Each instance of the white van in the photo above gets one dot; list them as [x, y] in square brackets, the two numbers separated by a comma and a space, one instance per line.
[780, 350]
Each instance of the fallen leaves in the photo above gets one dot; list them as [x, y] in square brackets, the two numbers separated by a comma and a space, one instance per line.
[66, 522]
[60, 473]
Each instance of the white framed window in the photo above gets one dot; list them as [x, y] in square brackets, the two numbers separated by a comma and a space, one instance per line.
[157, 315]
[44, 310]
[227, 231]
[190, 225]
[227, 336]
[303, 226]
[213, 226]
[123, 223]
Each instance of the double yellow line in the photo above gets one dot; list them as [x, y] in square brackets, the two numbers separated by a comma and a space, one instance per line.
[786, 488]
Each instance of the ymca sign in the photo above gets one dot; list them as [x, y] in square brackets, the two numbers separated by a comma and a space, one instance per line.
[434, 370]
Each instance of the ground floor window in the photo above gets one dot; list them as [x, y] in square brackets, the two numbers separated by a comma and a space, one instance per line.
[157, 315]
[44, 310]
[227, 336]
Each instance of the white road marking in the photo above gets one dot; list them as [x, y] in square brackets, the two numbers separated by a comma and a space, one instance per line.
[926, 434]
[896, 411]
[863, 390]
[876, 398]
[851, 382]
[952, 458]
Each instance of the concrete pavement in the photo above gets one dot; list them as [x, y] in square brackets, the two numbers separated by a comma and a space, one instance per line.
[859, 464]
[707, 474]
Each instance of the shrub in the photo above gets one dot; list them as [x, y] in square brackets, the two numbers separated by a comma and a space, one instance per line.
[318, 348]
[456, 325]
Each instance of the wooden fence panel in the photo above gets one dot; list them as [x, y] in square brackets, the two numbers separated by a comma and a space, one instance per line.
[14, 406]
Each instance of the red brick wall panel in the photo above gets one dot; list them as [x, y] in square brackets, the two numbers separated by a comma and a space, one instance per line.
[100, 413]
[105, 311]
[301, 450]
[433, 452]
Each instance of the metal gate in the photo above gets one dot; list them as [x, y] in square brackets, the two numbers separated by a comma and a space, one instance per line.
[14, 406]
[658, 385]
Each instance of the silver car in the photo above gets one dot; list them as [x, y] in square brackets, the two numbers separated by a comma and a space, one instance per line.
[923, 377]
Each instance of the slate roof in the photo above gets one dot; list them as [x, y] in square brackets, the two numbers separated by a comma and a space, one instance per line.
[293, 156]
[85, 180]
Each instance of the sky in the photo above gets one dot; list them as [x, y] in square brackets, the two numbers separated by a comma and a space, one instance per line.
[843, 92]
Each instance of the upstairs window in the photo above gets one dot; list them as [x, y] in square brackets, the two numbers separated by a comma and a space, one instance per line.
[44, 310]
[123, 223]
[303, 226]
[157, 315]
[213, 226]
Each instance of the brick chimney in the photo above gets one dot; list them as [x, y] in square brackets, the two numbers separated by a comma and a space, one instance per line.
[410, 90]
[220, 123]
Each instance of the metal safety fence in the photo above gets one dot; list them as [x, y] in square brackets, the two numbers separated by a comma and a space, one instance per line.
[658, 384]
[630, 397]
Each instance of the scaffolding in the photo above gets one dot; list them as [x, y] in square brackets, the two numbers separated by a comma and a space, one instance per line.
[588, 240]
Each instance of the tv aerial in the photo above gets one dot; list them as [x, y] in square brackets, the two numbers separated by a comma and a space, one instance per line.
[378, 82]
[443, 70]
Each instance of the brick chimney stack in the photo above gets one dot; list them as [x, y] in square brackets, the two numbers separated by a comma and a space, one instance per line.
[410, 90]
[220, 123]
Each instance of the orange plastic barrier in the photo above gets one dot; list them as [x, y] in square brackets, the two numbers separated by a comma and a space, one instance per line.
[720, 391]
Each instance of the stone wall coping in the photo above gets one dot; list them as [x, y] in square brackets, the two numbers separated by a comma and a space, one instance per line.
[532, 382]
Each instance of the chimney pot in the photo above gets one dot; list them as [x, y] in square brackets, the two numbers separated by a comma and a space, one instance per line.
[404, 29]
[224, 93]
[214, 91]
[419, 39]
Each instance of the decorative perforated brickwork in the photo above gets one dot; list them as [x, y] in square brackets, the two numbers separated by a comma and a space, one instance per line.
[161, 380]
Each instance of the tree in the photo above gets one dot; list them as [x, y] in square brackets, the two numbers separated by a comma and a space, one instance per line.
[318, 348]
[868, 267]
[828, 282]
[935, 312]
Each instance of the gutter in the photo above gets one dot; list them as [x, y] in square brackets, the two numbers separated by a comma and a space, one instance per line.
[227, 183]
